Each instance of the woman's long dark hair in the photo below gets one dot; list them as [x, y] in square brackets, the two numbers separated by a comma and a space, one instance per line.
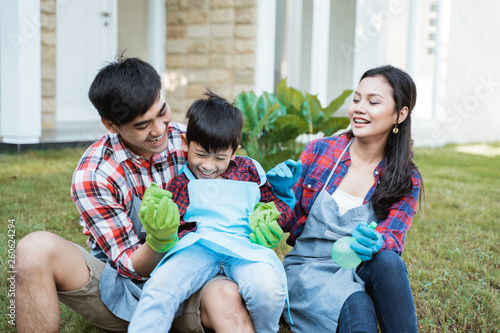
[396, 181]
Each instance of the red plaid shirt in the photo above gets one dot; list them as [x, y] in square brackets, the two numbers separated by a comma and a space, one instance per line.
[318, 158]
[101, 194]
[242, 169]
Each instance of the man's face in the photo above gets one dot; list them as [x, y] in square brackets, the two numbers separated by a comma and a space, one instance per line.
[147, 134]
[208, 165]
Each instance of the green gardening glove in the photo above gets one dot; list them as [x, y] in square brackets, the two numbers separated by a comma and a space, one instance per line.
[160, 218]
[154, 192]
[264, 224]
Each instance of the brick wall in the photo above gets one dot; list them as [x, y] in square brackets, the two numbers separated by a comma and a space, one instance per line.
[210, 44]
[48, 39]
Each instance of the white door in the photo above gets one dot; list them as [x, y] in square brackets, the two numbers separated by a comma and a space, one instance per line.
[86, 40]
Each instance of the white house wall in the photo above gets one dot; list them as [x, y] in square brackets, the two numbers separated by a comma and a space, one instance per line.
[20, 67]
[470, 105]
[459, 86]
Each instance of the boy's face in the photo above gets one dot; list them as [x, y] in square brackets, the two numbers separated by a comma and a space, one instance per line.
[147, 134]
[207, 165]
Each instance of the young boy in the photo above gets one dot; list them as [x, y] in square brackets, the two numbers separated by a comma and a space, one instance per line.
[218, 191]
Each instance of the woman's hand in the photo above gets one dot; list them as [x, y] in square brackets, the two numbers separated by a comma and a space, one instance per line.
[368, 241]
[282, 178]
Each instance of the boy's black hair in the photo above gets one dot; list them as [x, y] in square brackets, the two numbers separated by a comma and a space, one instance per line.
[214, 123]
[124, 90]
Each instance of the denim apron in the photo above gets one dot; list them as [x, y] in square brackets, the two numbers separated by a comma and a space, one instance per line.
[318, 285]
[121, 294]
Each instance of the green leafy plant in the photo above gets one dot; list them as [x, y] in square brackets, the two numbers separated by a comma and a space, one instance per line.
[273, 122]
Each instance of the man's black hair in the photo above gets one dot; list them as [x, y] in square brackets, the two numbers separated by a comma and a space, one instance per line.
[214, 123]
[124, 90]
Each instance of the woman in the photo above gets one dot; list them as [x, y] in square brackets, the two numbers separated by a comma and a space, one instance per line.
[347, 181]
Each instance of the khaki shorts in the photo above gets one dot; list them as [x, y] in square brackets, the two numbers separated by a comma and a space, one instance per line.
[87, 302]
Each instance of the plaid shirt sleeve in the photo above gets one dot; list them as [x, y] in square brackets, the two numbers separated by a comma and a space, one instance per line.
[400, 217]
[106, 219]
[180, 195]
[302, 196]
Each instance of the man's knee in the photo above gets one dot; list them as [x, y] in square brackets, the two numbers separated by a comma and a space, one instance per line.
[34, 250]
[222, 308]
[226, 291]
[222, 296]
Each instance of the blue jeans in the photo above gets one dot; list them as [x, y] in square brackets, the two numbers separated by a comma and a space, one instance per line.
[387, 284]
[260, 285]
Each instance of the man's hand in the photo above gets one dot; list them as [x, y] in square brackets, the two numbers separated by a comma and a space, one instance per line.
[282, 178]
[264, 224]
[368, 241]
[160, 218]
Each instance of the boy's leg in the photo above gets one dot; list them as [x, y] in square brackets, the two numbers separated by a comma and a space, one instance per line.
[46, 264]
[263, 290]
[170, 285]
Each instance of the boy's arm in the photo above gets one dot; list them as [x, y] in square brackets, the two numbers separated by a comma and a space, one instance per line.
[267, 195]
[270, 218]
[180, 195]
[265, 228]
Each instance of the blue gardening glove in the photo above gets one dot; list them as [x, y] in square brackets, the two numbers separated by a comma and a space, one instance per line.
[282, 178]
[264, 224]
[368, 241]
[160, 218]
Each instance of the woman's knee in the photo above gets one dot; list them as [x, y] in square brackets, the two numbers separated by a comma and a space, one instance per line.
[383, 262]
[388, 261]
[384, 267]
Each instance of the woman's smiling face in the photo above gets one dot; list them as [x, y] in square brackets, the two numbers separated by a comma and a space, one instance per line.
[373, 110]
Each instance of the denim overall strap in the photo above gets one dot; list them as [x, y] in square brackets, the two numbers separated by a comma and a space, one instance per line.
[133, 213]
[118, 293]
[337, 164]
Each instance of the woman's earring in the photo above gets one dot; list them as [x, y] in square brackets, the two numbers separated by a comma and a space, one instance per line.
[395, 129]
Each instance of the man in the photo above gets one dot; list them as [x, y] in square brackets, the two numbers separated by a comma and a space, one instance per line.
[142, 146]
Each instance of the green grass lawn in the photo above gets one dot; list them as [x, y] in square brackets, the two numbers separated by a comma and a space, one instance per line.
[452, 250]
